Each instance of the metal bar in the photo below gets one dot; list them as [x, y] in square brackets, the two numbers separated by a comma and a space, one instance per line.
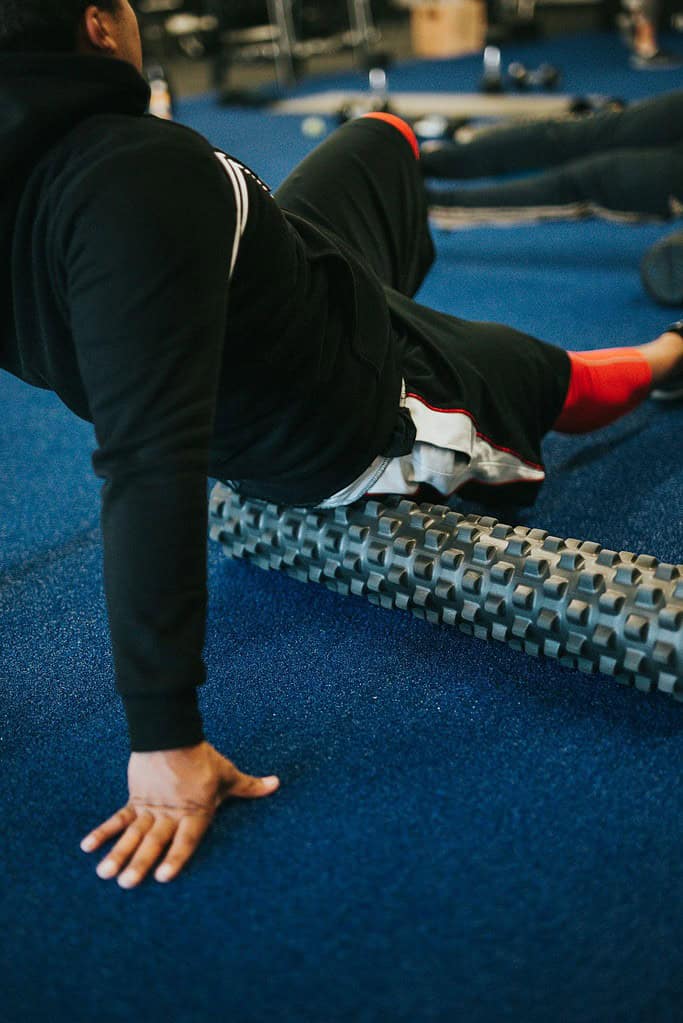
[280, 14]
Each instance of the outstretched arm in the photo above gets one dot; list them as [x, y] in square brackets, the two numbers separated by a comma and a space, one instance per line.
[147, 251]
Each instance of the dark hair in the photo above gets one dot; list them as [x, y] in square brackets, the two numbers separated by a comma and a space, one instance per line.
[44, 25]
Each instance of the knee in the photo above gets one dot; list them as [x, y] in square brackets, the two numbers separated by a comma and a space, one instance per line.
[400, 125]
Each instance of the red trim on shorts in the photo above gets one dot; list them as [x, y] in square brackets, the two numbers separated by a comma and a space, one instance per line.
[402, 126]
[604, 385]
[498, 447]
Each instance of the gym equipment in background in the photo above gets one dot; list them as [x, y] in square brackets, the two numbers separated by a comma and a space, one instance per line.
[422, 104]
[519, 20]
[153, 16]
[436, 116]
[545, 76]
[661, 270]
[492, 77]
[230, 32]
[439, 114]
[293, 33]
[590, 608]
[377, 99]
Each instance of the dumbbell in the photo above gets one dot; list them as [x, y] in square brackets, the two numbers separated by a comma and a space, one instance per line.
[545, 76]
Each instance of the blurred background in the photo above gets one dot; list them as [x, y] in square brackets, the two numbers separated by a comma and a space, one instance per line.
[235, 46]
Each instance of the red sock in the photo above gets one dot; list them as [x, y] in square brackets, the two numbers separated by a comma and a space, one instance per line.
[402, 126]
[603, 386]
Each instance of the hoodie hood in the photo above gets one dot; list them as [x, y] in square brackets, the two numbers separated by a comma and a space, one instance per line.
[42, 98]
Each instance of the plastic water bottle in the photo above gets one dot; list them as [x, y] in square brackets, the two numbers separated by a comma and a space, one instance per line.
[161, 103]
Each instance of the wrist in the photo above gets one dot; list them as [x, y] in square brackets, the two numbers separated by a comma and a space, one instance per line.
[179, 753]
[160, 722]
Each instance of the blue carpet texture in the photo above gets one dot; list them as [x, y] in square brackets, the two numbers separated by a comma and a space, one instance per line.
[463, 833]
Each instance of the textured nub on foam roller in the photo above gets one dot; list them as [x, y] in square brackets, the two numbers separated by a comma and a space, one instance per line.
[590, 608]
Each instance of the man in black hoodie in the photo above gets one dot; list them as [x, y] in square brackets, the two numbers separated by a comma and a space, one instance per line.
[208, 328]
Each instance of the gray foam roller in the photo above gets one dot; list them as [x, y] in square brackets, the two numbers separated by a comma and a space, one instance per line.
[588, 607]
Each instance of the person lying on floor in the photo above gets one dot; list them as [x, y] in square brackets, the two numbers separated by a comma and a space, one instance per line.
[208, 328]
[623, 164]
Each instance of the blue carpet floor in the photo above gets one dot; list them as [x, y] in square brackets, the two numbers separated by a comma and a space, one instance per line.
[463, 833]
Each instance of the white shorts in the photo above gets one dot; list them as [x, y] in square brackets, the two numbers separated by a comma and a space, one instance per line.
[448, 452]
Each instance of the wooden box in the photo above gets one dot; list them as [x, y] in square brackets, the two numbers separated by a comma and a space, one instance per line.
[447, 28]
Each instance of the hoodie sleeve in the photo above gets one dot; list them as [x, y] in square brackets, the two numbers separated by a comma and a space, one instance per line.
[150, 235]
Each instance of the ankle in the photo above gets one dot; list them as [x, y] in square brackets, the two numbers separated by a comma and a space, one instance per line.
[676, 343]
[664, 355]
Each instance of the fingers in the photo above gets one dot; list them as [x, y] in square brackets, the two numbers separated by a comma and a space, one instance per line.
[117, 858]
[234, 784]
[191, 831]
[149, 851]
[144, 841]
[109, 829]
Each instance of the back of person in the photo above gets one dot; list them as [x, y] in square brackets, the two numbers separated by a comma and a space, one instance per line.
[160, 291]
[82, 166]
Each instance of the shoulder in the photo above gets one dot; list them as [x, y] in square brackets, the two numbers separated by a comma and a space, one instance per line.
[121, 147]
[133, 175]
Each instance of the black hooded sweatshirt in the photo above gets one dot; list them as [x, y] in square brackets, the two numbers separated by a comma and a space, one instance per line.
[199, 341]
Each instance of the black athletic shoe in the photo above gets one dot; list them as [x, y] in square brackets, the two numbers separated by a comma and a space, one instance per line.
[661, 270]
[671, 389]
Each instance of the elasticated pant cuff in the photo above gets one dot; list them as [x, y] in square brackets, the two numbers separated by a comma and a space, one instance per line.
[164, 721]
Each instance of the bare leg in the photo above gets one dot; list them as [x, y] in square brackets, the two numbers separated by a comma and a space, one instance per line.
[664, 355]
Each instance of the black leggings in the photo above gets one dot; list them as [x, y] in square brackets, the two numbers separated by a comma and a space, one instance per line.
[628, 161]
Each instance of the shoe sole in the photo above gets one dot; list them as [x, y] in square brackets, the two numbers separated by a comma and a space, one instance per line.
[661, 271]
[667, 395]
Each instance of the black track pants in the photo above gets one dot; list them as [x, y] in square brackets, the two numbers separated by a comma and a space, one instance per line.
[628, 161]
[364, 184]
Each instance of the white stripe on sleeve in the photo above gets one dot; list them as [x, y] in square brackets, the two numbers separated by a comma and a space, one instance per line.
[239, 186]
